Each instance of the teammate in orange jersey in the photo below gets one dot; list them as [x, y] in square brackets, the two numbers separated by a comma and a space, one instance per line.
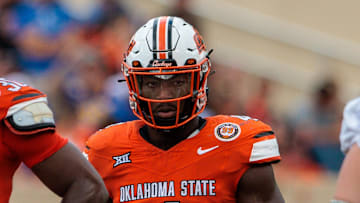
[27, 134]
[172, 154]
[347, 188]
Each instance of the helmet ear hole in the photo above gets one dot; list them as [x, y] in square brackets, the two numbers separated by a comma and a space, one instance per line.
[190, 61]
[136, 63]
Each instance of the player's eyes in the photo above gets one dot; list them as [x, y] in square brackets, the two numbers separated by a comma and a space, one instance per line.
[178, 83]
[152, 84]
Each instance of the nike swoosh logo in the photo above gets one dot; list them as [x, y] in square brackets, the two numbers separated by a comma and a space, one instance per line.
[201, 151]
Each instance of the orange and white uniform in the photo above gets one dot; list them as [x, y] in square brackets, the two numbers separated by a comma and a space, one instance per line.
[206, 167]
[23, 137]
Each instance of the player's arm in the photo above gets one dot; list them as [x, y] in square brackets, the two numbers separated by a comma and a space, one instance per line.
[60, 165]
[71, 176]
[258, 185]
[348, 181]
[348, 184]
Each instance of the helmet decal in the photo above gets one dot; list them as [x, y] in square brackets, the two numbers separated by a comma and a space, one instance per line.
[131, 46]
[199, 41]
[162, 37]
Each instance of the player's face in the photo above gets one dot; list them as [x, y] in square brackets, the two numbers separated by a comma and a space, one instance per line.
[163, 88]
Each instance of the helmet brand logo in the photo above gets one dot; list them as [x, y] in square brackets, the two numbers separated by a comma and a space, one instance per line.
[156, 63]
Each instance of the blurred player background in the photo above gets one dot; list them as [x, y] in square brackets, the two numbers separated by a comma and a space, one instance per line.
[292, 64]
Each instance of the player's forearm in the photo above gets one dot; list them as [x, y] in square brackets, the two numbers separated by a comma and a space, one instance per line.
[86, 191]
[348, 183]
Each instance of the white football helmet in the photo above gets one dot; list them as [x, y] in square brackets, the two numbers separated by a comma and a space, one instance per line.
[166, 47]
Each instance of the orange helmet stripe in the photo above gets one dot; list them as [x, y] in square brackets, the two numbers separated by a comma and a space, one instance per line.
[162, 36]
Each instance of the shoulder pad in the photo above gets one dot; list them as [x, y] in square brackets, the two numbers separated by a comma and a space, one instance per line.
[101, 138]
[17, 107]
[31, 118]
[264, 148]
[243, 117]
[257, 140]
[230, 127]
[114, 135]
[13, 93]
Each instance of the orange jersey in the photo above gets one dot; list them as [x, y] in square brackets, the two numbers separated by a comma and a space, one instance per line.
[206, 167]
[12, 93]
[14, 148]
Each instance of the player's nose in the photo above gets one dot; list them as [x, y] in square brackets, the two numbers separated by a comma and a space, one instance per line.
[166, 91]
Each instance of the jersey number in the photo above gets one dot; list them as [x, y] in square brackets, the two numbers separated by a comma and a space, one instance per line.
[14, 86]
[245, 118]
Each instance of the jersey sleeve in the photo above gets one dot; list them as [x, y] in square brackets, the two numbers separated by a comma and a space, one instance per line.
[34, 149]
[25, 110]
[28, 126]
[264, 150]
[258, 143]
[90, 147]
[14, 96]
[95, 152]
[96, 147]
[350, 127]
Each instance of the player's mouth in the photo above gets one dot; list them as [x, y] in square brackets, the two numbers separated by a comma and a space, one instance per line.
[166, 114]
[165, 111]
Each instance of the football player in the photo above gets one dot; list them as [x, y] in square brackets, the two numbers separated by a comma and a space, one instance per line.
[172, 154]
[347, 188]
[27, 134]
